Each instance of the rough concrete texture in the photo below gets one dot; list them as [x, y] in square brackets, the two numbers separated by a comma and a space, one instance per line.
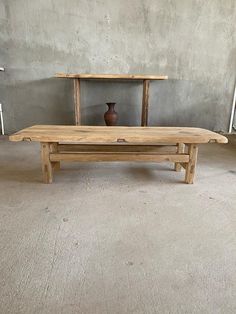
[194, 42]
[117, 238]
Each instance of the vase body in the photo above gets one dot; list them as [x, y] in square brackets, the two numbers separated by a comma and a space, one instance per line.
[111, 116]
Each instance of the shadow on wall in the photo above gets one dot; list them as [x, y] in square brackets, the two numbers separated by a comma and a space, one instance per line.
[186, 103]
[45, 101]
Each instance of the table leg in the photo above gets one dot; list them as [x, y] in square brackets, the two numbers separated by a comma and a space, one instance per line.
[46, 163]
[144, 120]
[54, 149]
[180, 150]
[77, 101]
[191, 165]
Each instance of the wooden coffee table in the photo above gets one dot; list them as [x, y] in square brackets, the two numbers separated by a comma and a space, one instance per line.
[98, 143]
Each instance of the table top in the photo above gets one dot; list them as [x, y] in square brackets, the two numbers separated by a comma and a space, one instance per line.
[111, 76]
[117, 135]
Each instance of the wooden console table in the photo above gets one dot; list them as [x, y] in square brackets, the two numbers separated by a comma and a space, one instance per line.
[145, 78]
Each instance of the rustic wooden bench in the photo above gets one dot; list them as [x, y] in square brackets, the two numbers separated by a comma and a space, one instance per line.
[98, 143]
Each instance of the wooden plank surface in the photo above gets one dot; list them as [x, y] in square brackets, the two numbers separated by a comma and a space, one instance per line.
[117, 135]
[112, 76]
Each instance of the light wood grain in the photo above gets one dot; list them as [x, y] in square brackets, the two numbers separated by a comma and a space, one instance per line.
[77, 101]
[111, 76]
[117, 135]
[85, 157]
[145, 103]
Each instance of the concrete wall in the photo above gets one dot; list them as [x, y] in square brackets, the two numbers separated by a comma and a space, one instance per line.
[192, 41]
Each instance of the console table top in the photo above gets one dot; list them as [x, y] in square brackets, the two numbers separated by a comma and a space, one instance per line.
[111, 76]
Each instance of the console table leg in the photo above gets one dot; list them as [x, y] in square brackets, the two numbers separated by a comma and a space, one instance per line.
[180, 150]
[46, 163]
[77, 101]
[191, 165]
[144, 121]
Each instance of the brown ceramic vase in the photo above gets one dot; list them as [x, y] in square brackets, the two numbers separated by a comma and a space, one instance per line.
[111, 116]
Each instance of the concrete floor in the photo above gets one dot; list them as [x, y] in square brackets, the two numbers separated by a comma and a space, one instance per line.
[117, 238]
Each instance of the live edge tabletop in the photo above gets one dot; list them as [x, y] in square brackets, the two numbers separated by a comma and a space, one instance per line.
[116, 135]
[99, 143]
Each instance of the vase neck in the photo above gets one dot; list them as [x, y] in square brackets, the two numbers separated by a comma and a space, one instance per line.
[111, 105]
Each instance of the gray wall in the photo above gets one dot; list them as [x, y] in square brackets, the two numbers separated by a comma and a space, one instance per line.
[192, 41]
